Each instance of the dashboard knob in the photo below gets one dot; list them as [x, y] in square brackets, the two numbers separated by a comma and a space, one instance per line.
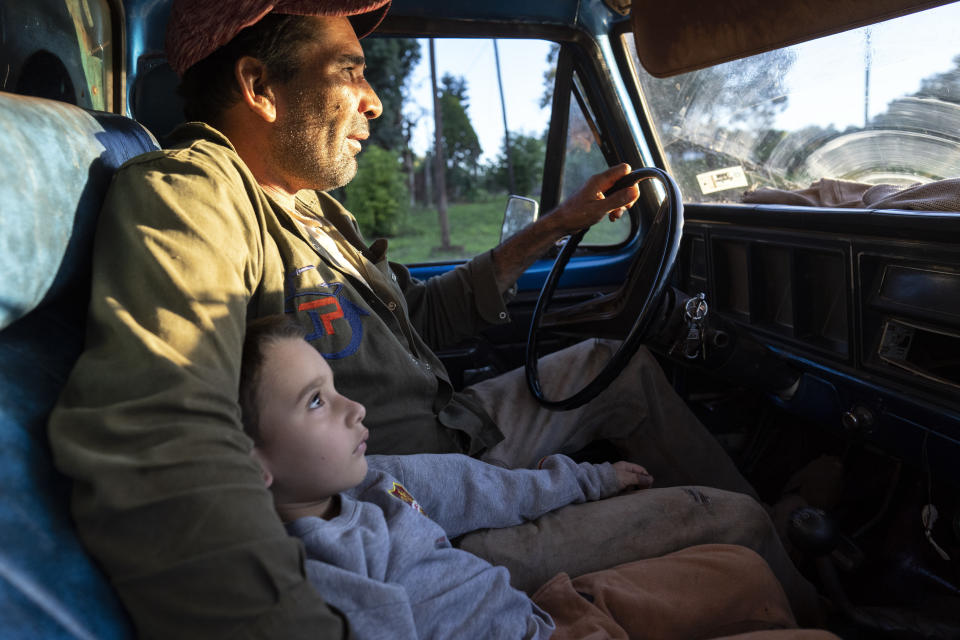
[857, 418]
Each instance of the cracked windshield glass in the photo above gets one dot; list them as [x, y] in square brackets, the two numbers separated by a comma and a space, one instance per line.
[876, 105]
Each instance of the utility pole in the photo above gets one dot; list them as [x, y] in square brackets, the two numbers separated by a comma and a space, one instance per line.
[440, 163]
[867, 63]
[406, 128]
[506, 131]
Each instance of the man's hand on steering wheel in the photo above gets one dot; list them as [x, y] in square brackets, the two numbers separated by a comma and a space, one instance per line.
[587, 205]
[578, 212]
[630, 310]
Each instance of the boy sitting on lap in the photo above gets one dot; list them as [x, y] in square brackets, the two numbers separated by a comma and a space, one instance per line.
[377, 530]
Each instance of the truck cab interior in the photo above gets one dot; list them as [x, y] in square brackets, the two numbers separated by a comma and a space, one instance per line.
[797, 276]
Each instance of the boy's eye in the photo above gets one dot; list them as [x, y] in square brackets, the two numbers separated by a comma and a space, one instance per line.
[315, 402]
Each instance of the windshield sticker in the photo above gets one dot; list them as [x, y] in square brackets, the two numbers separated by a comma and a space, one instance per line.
[722, 179]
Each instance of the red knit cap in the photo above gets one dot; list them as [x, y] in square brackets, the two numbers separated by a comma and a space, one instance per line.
[197, 28]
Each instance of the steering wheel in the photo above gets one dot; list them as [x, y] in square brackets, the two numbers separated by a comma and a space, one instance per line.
[630, 310]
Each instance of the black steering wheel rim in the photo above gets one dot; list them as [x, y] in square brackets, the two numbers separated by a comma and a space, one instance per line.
[654, 259]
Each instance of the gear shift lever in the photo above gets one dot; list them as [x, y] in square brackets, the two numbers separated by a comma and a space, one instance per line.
[813, 531]
[816, 534]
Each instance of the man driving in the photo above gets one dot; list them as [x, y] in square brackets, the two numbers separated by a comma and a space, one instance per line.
[231, 222]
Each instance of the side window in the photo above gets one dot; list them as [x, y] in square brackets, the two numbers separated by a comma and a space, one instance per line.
[495, 99]
[60, 49]
[482, 104]
[582, 159]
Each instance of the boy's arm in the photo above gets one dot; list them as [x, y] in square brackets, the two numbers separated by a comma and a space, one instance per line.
[462, 494]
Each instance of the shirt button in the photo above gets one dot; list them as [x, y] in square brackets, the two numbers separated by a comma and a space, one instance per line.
[503, 315]
[391, 305]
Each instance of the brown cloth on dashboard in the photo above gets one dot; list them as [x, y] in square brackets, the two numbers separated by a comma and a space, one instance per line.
[705, 591]
[942, 195]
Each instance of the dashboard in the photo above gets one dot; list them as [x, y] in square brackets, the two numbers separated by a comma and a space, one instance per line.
[866, 304]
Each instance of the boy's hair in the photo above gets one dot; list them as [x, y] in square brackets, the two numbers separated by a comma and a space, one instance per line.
[260, 333]
[209, 87]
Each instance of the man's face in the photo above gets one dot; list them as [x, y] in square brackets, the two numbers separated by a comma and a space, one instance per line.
[313, 438]
[323, 111]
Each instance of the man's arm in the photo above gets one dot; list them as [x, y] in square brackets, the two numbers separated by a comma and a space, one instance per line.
[166, 496]
[462, 301]
[581, 210]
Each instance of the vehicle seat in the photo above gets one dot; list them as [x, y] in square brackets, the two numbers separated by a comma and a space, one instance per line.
[56, 161]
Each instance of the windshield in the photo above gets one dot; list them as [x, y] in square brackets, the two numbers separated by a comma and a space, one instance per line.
[880, 104]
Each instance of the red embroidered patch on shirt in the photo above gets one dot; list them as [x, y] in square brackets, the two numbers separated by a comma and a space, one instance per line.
[399, 491]
[328, 317]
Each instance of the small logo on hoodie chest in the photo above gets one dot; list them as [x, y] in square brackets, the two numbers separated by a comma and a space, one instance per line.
[400, 492]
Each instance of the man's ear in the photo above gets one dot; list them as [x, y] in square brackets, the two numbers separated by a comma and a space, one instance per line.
[256, 93]
[264, 466]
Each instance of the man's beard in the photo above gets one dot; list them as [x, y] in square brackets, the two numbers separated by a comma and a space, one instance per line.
[307, 145]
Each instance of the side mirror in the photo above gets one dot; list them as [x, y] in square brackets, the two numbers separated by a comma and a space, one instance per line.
[520, 212]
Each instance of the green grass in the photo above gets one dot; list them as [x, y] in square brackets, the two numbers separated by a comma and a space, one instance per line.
[474, 228]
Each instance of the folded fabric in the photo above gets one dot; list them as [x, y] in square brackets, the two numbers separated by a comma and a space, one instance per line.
[942, 195]
[703, 591]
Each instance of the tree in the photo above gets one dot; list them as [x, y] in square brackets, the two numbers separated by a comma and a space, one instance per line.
[376, 196]
[461, 146]
[527, 153]
[550, 76]
[390, 61]
[942, 86]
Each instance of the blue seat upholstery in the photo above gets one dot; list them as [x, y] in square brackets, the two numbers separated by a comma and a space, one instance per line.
[56, 162]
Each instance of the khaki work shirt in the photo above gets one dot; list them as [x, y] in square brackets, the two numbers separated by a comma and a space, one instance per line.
[166, 496]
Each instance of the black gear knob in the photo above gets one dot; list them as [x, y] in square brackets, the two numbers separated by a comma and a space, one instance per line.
[812, 531]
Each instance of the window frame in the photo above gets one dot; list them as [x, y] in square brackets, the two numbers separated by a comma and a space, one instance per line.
[581, 56]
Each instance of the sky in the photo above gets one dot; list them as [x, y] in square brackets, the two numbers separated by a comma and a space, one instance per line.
[522, 65]
[901, 53]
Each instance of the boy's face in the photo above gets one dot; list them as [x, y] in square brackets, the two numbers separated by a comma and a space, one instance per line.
[313, 438]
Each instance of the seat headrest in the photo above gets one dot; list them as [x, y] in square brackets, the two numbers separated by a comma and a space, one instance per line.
[56, 161]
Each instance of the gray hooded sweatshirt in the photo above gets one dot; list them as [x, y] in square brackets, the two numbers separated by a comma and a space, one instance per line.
[386, 560]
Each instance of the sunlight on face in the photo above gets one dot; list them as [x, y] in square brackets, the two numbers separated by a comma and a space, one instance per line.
[323, 111]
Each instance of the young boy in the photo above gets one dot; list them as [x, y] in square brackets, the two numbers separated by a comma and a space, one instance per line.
[377, 530]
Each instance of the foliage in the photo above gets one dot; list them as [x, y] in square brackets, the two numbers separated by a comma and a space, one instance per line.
[475, 226]
[527, 154]
[943, 86]
[739, 97]
[461, 146]
[582, 157]
[550, 76]
[376, 196]
[390, 61]
[579, 165]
